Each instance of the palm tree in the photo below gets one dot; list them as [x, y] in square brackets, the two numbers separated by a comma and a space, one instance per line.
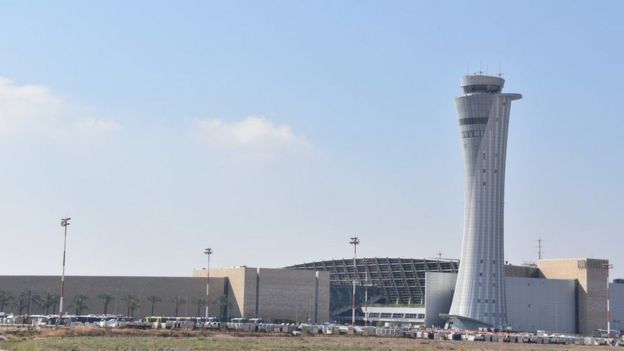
[199, 302]
[23, 301]
[177, 301]
[48, 301]
[106, 300]
[222, 302]
[20, 305]
[80, 303]
[32, 298]
[153, 300]
[5, 299]
[38, 300]
[132, 302]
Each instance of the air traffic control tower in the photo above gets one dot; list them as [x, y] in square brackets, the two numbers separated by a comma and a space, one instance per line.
[479, 298]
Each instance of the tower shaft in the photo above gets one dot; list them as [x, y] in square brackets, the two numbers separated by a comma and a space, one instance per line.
[483, 112]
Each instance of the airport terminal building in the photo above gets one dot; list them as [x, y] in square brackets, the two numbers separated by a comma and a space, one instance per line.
[271, 294]
[559, 295]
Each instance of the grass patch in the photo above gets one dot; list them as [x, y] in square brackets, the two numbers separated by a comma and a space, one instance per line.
[92, 339]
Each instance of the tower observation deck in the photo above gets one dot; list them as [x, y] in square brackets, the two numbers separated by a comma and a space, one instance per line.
[483, 111]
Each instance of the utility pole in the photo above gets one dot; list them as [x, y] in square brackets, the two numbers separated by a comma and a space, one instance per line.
[367, 284]
[207, 252]
[355, 241]
[64, 224]
[608, 266]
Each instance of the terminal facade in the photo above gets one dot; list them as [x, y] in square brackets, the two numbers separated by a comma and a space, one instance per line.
[272, 294]
[558, 295]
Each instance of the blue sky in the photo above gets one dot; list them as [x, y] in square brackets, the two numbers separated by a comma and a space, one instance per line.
[272, 131]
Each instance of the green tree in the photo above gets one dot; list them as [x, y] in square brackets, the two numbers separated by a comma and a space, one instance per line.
[48, 302]
[5, 299]
[199, 302]
[106, 300]
[22, 304]
[132, 303]
[32, 298]
[153, 300]
[80, 303]
[177, 301]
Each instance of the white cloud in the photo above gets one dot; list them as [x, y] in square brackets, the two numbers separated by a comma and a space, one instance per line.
[252, 133]
[94, 126]
[35, 111]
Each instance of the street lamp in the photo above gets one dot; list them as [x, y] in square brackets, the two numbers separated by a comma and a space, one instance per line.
[207, 252]
[367, 284]
[355, 241]
[608, 266]
[64, 224]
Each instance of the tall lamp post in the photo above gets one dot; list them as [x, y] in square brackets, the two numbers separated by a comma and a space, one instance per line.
[207, 252]
[367, 284]
[64, 224]
[608, 266]
[355, 241]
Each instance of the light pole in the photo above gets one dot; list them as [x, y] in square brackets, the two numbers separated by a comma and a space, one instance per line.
[64, 224]
[207, 252]
[355, 241]
[367, 284]
[608, 266]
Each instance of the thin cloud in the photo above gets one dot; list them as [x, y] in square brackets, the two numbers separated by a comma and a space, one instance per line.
[33, 110]
[252, 133]
[94, 126]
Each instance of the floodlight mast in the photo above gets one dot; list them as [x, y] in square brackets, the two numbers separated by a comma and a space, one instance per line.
[64, 224]
[207, 252]
[367, 284]
[607, 267]
[355, 241]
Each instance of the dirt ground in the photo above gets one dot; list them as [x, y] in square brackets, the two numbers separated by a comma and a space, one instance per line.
[87, 339]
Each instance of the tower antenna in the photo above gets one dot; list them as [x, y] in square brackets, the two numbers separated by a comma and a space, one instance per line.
[500, 71]
[539, 249]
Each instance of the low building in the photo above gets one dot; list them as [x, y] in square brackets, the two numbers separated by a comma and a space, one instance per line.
[616, 290]
[558, 295]
[532, 303]
[139, 296]
[270, 294]
[591, 288]
[395, 315]
[564, 295]
[275, 294]
[383, 280]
